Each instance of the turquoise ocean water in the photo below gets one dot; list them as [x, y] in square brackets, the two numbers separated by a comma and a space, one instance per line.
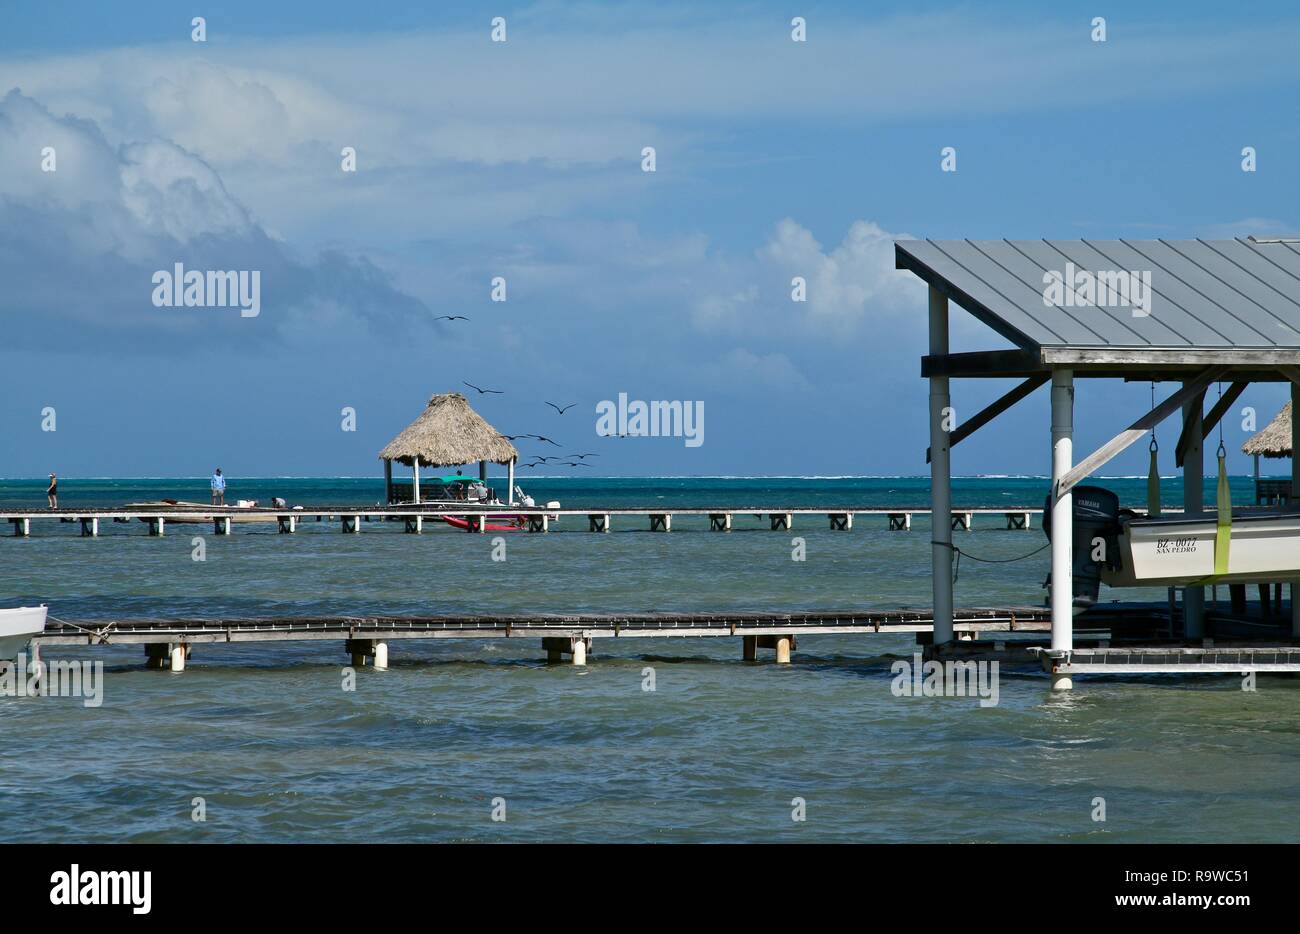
[266, 735]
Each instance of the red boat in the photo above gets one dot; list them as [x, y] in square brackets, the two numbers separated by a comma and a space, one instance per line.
[460, 522]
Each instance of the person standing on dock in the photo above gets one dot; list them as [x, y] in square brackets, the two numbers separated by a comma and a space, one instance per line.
[218, 489]
[52, 492]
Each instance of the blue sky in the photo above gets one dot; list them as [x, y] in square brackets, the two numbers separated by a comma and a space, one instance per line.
[523, 160]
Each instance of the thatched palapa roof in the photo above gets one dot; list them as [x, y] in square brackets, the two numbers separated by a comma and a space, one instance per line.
[449, 432]
[1275, 438]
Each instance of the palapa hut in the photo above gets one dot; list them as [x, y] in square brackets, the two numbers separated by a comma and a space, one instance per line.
[448, 433]
[1274, 440]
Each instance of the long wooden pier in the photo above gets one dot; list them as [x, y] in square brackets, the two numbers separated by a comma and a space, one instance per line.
[1114, 639]
[168, 643]
[95, 521]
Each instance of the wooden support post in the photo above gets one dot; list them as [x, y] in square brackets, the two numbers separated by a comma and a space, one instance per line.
[22, 527]
[749, 648]
[598, 522]
[221, 525]
[539, 523]
[719, 522]
[475, 523]
[415, 524]
[178, 653]
[900, 522]
[941, 555]
[661, 522]
[360, 650]
[841, 521]
[781, 520]
[352, 524]
[287, 524]
[90, 527]
[576, 647]
[784, 645]
[380, 653]
[1062, 505]
[1018, 520]
[962, 520]
[1192, 447]
[157, 655]
[157, 526]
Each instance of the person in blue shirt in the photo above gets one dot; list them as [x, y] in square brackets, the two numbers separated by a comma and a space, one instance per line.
[218, 489]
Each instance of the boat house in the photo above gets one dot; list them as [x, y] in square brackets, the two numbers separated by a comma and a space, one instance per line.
[448, 433]
[1273, 440]
[1194, 312]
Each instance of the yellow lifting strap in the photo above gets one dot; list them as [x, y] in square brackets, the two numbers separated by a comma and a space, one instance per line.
[1153, 483]
[1223, 528]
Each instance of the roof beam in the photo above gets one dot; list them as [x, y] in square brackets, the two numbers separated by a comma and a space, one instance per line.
[1139, 428]
[1138, 357]
[992, 411]
[1219, 409]
[997, 363]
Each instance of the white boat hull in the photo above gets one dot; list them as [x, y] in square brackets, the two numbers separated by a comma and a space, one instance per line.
[17, 626]
[1167, 552]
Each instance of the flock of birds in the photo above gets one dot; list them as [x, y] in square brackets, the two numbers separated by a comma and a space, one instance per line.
[573, 460]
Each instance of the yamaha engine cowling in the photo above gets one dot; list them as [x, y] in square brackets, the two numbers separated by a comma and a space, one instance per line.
[1096, 515]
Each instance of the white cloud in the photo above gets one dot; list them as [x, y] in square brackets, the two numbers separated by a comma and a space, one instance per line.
[853, 283]
[79, 245]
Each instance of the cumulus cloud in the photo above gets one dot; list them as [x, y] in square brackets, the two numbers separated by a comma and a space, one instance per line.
[843, 287]
[79, 245]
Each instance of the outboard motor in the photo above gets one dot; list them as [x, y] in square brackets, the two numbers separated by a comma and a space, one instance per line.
[1096, 515]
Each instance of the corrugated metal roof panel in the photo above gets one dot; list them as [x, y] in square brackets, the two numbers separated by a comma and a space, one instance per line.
[1203, 294]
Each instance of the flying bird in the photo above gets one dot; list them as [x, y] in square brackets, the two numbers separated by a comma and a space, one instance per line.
[499, 392]
[451, 318]
[584, 456]
[558, 409]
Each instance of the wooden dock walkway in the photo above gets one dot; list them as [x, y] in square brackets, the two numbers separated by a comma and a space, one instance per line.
[169, 642]
[95, 521]
[1115, 639]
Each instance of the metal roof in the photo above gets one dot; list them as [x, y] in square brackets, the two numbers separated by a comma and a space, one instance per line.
[1204, 295]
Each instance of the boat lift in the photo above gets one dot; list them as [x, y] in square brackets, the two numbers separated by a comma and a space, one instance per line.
[1212, 311]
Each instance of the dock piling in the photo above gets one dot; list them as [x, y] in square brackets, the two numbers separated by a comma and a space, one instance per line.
[90, 527]
[661, 522]
[749, 648]
[22, 527]
[221, 525]
[840, 521]
[415, 525]
[287, 524]
[557, 647]
[361, 649]
[900, 522]
[598, 522]
[719, 522]
[781, 521]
